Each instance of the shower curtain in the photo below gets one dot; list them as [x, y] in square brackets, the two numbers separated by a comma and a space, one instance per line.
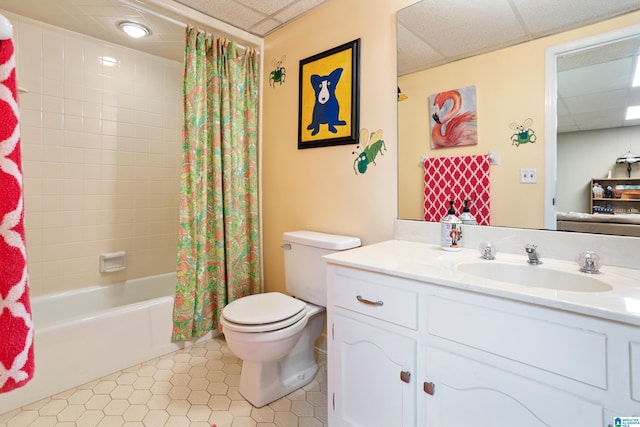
[218, 248]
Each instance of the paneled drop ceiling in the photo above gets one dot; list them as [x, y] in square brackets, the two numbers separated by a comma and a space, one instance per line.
[259, 17]
[595, 87]
[443, 31]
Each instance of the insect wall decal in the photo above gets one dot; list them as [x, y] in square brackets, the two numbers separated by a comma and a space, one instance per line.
[372, 146]
[524, 133]
[278, 75]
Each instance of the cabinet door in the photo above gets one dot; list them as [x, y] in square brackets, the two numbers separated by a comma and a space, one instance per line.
[471, 393]
[374, 375]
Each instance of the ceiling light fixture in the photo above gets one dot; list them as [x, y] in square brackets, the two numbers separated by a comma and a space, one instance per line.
[633, 112]
[133, 29]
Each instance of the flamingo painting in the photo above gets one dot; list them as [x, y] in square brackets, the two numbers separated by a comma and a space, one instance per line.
[453, 118]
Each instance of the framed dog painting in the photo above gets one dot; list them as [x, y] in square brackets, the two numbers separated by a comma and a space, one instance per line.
[328, 109]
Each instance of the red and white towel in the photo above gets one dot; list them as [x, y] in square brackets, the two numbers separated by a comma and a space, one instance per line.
[16, 326]
[457, 178]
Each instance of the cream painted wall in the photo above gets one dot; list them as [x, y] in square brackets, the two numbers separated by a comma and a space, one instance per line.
[510, 87]
[316, 188]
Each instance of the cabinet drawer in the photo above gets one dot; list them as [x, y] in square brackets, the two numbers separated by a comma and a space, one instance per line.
[572, 352]
[380, 301]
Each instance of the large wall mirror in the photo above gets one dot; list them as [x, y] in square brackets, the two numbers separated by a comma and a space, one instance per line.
[578, 97]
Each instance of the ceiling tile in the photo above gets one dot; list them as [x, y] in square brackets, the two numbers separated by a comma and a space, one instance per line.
[604, 100]
[413, 53]
[230, 12]
[266, 7]
[297, 9]
[634, 96]
[458, 28]
[599, 78]
[542, 17]
[265, 26]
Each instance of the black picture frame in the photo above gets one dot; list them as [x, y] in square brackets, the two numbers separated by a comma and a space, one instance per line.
[329, 97]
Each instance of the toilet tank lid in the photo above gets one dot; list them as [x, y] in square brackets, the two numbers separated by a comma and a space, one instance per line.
[321, 240]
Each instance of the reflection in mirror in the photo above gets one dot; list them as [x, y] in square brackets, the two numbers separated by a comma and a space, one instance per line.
[508, 91]
[595, 91]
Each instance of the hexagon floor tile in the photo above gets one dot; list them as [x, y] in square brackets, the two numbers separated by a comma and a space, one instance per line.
[194, 387]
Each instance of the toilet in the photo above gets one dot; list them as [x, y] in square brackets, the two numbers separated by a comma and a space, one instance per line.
[274, 334]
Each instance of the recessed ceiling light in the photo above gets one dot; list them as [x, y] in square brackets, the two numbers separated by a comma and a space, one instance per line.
[633, 112]
[133, 29]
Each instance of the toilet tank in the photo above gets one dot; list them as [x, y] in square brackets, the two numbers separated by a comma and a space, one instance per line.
[304, 267]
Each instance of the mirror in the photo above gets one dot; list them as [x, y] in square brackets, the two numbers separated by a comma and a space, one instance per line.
[530, 208]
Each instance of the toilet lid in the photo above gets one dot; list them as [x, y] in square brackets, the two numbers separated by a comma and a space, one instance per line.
[264, 308]
[265, 327]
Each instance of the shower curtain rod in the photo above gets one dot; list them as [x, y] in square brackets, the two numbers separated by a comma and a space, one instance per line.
[168, 19]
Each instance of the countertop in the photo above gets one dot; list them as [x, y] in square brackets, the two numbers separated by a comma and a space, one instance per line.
[430, 264]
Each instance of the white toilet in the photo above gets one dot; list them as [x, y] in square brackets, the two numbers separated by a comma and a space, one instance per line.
[274, 334]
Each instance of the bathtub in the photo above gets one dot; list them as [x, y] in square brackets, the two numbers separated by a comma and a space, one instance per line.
[85, 334]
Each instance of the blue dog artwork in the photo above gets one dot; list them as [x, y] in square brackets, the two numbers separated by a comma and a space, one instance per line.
[326, 108]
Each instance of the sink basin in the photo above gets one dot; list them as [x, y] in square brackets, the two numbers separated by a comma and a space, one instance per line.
[537, 276]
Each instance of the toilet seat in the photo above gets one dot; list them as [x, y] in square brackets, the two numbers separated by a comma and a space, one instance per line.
[263, 312]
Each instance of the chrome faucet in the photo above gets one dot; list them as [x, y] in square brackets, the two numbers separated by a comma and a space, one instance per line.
[533, 254]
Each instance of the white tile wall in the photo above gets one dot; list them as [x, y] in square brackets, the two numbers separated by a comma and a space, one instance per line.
[101, 156]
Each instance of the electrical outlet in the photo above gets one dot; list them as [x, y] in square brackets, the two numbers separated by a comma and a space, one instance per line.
[528, 176]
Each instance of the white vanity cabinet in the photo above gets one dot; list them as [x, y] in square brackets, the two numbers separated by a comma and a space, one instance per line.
[470, 359]
[372, 344]
[494, 361]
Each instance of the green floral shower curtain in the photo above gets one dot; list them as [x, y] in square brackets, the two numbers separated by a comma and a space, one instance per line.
[218, 248]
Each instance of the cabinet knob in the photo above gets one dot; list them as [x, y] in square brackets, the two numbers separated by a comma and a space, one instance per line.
[369, 302]
[405, 376]
[429, 388]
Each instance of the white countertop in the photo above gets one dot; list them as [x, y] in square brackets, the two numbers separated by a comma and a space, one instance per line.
[429, 263]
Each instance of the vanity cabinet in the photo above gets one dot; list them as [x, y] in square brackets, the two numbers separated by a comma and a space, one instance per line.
[471, 392]
[405, 352]
[376, 369]
[373, 348]
[504, 361]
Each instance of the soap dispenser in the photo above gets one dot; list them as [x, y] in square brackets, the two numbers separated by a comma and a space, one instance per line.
[451, 231]
[466, 216]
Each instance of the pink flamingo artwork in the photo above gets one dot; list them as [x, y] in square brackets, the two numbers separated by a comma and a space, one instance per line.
[454, 118]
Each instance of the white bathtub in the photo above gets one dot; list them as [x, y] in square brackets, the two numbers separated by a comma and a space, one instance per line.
[85, 334]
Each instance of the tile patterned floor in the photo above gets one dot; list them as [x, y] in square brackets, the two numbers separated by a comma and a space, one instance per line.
[194, 387]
